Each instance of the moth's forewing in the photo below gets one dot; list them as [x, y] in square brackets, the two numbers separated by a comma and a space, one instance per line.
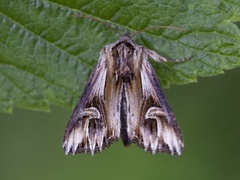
[88, 129]
[159, 131]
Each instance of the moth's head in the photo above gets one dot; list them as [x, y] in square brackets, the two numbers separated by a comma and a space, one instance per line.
[123, 47]
[125, 38]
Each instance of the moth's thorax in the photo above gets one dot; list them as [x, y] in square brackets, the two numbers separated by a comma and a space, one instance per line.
[123, 59]
[123, 50]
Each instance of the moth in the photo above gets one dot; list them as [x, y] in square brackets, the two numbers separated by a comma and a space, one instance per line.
[123, 99]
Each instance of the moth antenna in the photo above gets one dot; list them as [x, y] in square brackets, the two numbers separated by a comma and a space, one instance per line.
[97, 20]
[156, 27]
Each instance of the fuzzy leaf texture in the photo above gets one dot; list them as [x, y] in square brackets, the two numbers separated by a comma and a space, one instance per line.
[47, 51]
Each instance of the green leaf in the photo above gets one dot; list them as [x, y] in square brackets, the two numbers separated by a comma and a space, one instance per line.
[46, 54]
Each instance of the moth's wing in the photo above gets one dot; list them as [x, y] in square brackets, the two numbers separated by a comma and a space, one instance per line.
[87, 129]
[158, 130]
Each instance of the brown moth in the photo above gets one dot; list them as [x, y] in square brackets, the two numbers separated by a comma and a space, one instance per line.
[123, 98]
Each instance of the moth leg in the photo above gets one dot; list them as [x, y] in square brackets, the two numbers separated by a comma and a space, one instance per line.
[158, 58]
[155, 56]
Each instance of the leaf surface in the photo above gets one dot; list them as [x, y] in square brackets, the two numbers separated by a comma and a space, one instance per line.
[47, 51]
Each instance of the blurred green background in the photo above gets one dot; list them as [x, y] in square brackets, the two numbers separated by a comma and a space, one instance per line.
[208, 113]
